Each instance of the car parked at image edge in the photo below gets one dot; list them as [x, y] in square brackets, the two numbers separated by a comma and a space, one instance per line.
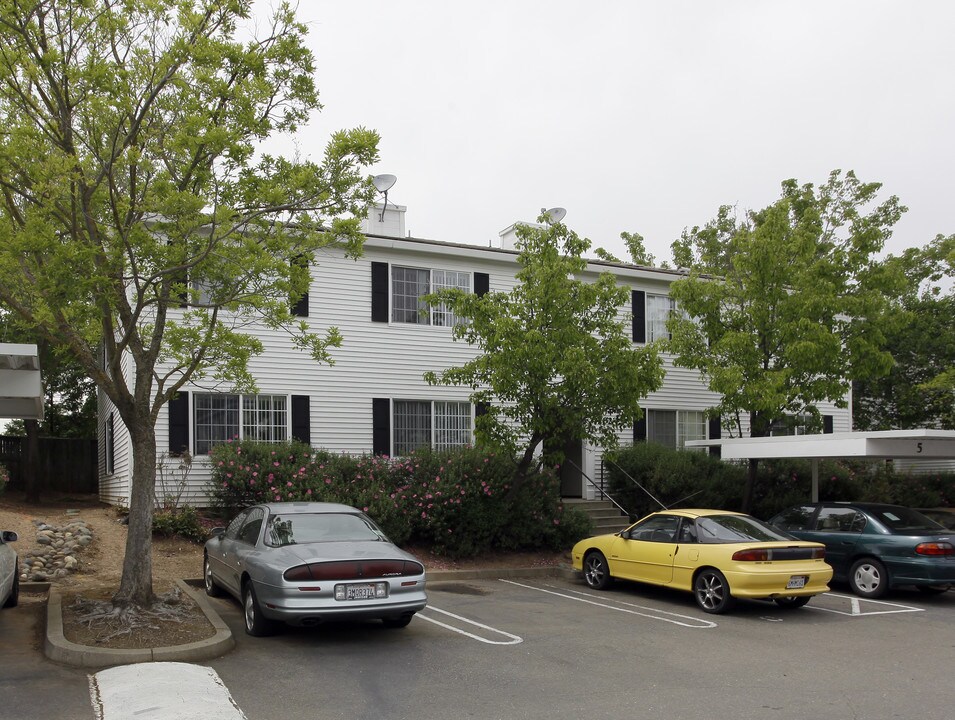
[9, 570]
[719, 556]
[306, 563]
[875, 547]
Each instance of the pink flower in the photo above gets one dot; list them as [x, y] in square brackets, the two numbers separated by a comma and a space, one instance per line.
[288, 484]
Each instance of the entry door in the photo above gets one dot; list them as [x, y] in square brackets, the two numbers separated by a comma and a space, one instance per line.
[571, 477]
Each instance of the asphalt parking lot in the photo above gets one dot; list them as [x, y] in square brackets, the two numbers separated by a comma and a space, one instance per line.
[553, 648]
[547, 648]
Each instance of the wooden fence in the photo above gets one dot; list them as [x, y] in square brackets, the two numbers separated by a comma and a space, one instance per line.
[66, 465]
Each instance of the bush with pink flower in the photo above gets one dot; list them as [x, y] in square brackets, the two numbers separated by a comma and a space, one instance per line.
[460, 503]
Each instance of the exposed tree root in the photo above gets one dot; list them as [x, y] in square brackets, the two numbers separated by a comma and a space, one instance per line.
[107, 620]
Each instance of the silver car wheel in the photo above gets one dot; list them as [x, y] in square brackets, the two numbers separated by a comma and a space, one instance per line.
[869, 578]
[256, 624]
[212, 590]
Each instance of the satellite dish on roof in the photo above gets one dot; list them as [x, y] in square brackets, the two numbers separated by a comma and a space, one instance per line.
[383, 183]
[554, 215]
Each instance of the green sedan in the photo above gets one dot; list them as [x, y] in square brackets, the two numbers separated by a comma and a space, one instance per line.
[875, 547]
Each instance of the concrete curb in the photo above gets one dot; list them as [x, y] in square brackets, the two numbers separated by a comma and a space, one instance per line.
[59, 649]
[440, 576]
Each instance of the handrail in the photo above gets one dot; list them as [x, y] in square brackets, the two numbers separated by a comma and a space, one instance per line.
[631, 479]
[599, 489]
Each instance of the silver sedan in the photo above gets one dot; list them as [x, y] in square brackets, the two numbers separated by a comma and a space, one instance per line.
[9, 570]
[307, 563]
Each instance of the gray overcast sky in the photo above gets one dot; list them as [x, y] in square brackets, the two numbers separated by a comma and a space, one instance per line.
[638, 116]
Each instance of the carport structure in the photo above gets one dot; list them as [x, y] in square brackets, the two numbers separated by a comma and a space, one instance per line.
[876, 445]
[21, 390]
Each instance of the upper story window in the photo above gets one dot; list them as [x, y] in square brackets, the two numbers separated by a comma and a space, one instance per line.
[659, 309]
[650, 314]
[410, 285]
[221, 417]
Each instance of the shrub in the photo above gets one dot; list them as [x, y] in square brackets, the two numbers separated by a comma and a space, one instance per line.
[184, 522]
[643, 473]
[4, 479]
[684, 479]
[460, 503]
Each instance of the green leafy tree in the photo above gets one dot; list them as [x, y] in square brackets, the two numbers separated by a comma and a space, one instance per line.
[556, 360]
[919, 391]
[783, 307]
[139, 221]
[636, 249]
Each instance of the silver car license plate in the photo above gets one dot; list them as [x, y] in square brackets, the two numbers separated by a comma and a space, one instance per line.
[361, 591]
[796, 582]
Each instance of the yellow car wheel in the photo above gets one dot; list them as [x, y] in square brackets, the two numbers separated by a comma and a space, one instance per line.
[596, 570]
[712, 592]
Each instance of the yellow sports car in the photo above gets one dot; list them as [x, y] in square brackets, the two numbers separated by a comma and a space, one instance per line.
[717, 555]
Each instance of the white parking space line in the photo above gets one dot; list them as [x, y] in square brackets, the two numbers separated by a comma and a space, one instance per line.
[652, 613]
[512, 639]
[164, 690]
[861, 607]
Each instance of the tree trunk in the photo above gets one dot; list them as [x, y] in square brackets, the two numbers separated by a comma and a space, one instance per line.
[758, 427]
[748, 491]
[33, 475]
[136, 585]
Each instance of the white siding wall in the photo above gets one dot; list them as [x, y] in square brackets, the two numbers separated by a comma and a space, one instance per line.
[385, 360]
[114, 487]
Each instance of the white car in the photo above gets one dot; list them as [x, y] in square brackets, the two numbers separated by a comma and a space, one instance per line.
[9, 570]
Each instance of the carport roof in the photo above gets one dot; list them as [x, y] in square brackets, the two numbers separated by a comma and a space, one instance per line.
[884, 444]
[21, 390]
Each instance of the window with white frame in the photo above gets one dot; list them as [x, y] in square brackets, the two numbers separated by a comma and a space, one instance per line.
[674, 428]
[452, 425]
[659, 309]
[410, 285]
[799, 424]
[221, 417]
[447, 280]
[422, 424]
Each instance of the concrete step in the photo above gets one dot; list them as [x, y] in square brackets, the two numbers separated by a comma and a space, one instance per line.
[606, 517]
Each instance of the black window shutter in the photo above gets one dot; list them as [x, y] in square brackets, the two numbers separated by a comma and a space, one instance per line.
[381, 426]
[640, 429]
[379, 292]
[827, 424]
[715, 433]
[482, 284]
[480, 409]
[110, 445]
[638, 299]
[301, 419]
[178, 424]
[300, 307]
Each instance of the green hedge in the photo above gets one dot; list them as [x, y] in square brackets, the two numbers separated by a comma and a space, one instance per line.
[693, 479]
[459, 503]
